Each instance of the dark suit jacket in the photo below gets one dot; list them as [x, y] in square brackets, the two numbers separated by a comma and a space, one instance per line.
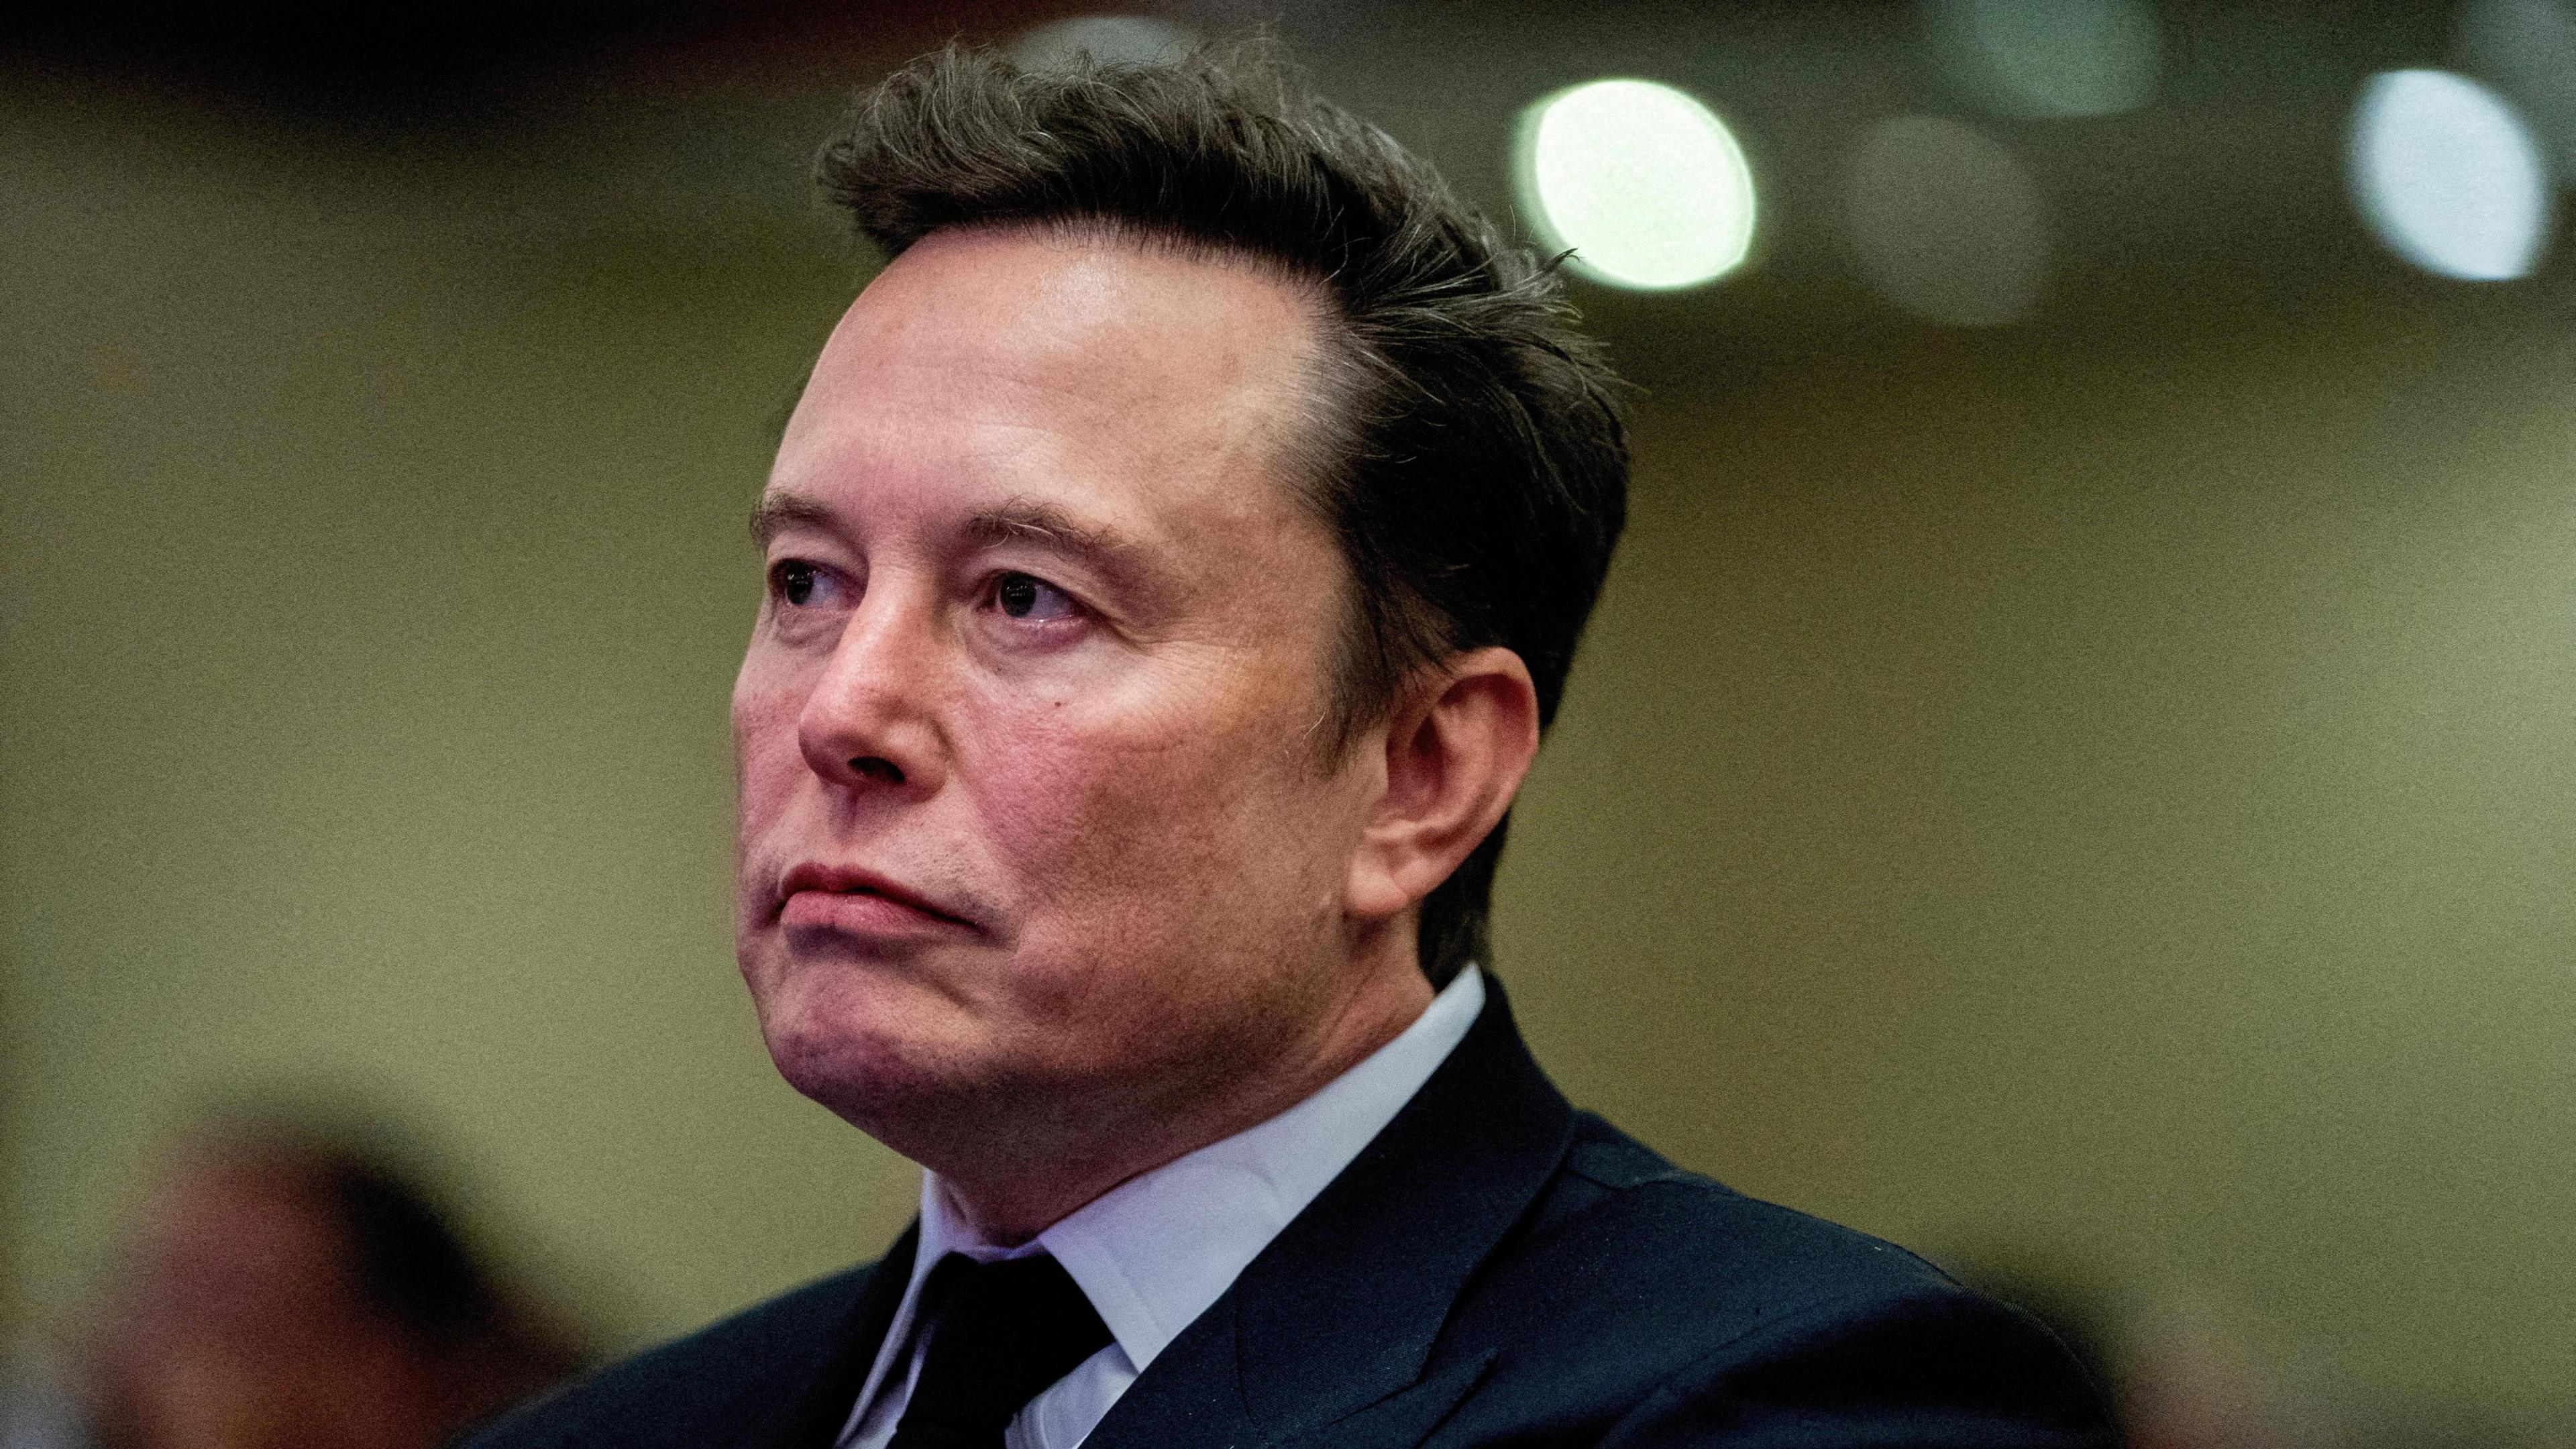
[1496, 1268]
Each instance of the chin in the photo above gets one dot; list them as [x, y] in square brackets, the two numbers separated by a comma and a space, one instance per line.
[890, 1059]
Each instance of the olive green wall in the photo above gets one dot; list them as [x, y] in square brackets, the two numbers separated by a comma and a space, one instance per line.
[2102, 797]
[2105, 809]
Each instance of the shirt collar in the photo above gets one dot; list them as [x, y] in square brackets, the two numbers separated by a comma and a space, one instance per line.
[1154, 1252]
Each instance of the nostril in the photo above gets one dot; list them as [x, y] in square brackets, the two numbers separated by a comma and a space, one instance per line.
[877, 768]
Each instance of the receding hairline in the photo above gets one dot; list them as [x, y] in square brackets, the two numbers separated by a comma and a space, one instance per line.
[1327, 377]
[1318, 420]
[1079, 228]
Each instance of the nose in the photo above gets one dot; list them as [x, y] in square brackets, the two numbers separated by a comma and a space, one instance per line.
[871, 723]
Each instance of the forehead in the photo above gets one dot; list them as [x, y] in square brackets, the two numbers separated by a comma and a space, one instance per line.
[1088, 362]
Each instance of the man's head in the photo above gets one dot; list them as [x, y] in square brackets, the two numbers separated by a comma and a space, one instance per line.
[285, 1286]
[1172, 561]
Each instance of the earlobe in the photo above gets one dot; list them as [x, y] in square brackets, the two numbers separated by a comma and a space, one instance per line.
[1457, 748]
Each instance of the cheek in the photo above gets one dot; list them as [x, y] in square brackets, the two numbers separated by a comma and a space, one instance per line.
[766, 754]
[1158, 833]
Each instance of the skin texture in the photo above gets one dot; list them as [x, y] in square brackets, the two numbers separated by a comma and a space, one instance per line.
[1044, 874]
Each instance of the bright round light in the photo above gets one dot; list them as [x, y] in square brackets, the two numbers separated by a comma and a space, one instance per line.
[1643, 182]
[2449, 176]
[1943, 222]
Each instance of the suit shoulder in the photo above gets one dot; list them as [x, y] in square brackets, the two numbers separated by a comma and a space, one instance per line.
[697, 1389]
[1625, 1248]
[1618, 1199]
[1645, 1303]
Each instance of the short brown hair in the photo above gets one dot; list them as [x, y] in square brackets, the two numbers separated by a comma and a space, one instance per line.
[1473, 463]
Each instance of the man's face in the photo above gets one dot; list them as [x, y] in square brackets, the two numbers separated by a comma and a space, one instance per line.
[1035, 826]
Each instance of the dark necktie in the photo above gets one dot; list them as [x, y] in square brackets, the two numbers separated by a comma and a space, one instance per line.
[999, 1334]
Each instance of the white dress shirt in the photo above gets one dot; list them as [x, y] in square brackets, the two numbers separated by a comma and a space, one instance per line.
[1155, 1251]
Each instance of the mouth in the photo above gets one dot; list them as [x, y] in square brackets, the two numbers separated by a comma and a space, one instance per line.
[860, 902]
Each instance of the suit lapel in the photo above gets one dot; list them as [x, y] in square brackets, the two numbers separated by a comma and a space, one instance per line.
[1339, 1314]
[813, 1418]
[1402, 1419]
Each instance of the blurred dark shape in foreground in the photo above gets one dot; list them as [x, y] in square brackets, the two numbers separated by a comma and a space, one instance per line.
[2180, 1380]
[287, 1285]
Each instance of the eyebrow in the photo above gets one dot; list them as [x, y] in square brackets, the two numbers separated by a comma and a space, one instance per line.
[1018, 521]
[775, 513]
[1051, 528]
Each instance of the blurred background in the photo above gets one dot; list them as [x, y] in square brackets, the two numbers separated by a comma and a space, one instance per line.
[2075, 770]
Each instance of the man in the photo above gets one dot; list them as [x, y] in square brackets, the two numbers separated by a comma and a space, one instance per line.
[1172, 563]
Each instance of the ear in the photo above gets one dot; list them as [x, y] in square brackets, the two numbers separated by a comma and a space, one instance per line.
[1456, 749]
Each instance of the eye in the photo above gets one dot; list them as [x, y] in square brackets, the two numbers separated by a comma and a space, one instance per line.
[1024, 596]
[797, 583]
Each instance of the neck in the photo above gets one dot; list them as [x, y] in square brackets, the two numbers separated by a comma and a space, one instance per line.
[1013, 1204]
